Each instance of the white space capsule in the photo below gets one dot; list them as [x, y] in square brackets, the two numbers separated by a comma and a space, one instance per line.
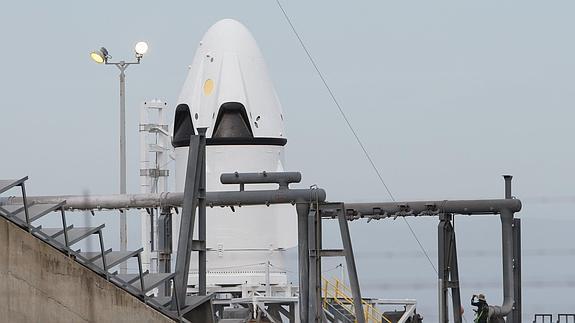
[228, 91]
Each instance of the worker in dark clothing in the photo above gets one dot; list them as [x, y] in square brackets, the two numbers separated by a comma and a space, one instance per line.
[482, 311]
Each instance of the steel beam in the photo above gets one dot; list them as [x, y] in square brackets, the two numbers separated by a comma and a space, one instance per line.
[332, 253]
[454, 279]
[312, 269]
[165, 247]
[202, 215]
[26, 203]
[442, 273]
[517, 309]
[303, 259]
[187, 219]
[315, 246]
[351, 269]
[441, 301]
[448, 270]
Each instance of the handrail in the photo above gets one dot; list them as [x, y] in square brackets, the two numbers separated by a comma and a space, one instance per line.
[340, 291]
[349, 306]
[348, 291]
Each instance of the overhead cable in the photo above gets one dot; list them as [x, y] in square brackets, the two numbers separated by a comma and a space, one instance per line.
[351, 128]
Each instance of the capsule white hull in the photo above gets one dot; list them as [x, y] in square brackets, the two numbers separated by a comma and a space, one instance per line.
[228, 91]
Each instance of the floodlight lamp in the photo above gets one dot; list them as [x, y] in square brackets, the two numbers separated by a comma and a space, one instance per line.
[100, 56]
[141, 48]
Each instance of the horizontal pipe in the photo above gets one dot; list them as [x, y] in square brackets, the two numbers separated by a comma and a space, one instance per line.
[281, 178]
[255, 197]
[134, 201]
[421, 208]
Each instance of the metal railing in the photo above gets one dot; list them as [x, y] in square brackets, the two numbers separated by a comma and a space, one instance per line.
[548, 318]
[101, 261]
[338, 292]
[543, 318]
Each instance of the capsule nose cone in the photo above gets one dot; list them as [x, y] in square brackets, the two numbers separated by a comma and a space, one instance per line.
[230, 35]
[229, 75]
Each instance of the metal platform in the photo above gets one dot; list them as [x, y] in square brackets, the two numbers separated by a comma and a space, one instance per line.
[35, 211]
[6, 184]
[73, 234]
[150, 281]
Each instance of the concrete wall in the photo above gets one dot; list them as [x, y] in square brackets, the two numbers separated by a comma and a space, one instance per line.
[40, 284]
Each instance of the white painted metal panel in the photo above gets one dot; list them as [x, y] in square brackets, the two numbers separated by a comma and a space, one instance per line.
[229, 67]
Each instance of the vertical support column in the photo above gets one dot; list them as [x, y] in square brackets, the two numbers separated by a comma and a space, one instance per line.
[351, 269]
[442, 273]
[315, 245]
[293, 316]
[448, 270]
[202, 215]
[191, 193]
[517, 310]
[268, 286]
[64, 227]
[141, 274]
[507, 255]
[303, 259]
[454, 277]
[25, 202]
[318, 246]
[123, 219]
[165, 247]
[103, 254]
[312, 246]
[146, 224]
[440, 302]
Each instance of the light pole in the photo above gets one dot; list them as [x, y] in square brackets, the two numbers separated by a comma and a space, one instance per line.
[102, 56]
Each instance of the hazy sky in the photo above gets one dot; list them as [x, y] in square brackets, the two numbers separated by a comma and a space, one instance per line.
[446, 96]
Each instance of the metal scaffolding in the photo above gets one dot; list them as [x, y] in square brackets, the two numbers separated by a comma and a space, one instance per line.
[311, 211]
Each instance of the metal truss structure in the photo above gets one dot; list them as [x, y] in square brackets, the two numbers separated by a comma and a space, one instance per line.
[312, 210]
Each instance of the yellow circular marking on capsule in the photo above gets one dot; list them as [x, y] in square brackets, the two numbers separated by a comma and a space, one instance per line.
[208, 86]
